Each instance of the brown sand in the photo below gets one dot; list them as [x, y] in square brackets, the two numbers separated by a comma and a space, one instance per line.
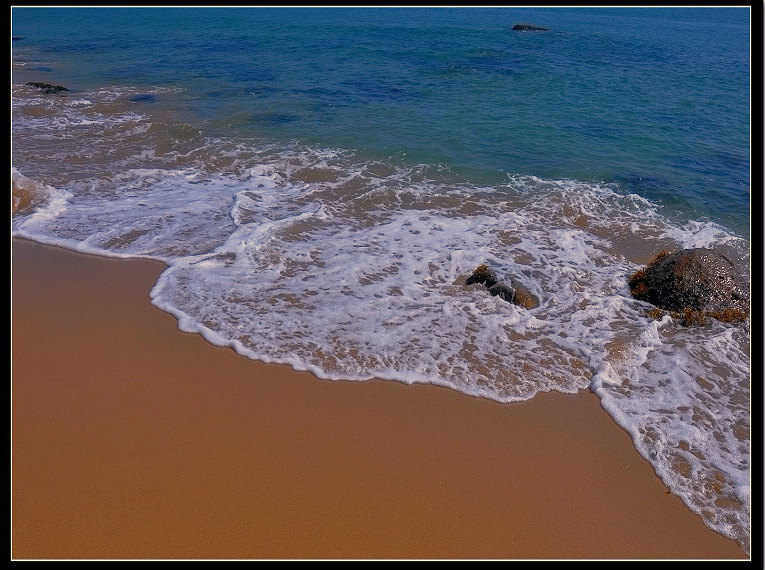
[134, 440]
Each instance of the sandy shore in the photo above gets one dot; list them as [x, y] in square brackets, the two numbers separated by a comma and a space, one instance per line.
[131, 439]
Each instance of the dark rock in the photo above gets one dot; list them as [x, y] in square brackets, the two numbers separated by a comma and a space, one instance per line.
[692, 284]
[48, 87]
[482, 275]
[529, 28]
[511, 292]
[16, 38]
[503, 291]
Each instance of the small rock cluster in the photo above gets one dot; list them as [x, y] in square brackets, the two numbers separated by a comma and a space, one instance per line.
[691, 285]
[512, 292]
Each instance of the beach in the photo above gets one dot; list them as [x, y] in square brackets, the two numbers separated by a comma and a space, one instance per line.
[134, 440]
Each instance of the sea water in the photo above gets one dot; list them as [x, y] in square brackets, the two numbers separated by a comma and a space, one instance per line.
[321, 182]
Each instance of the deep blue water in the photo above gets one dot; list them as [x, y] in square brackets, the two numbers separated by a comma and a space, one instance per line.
[656, 100]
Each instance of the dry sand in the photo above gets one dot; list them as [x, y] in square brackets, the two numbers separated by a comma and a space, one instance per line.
[133, 440]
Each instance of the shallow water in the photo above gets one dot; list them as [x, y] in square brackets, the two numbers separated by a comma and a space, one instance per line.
[322, 182]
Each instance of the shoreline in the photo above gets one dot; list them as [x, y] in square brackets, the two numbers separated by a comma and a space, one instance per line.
[134, 440]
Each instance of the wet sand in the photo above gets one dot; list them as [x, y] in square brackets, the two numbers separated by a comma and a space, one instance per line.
[134, 440]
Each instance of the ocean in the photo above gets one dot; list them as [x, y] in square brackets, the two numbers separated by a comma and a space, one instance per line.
[320, 182]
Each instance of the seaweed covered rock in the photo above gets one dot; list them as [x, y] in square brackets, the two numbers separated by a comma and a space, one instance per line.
[48, 88]
[692, 284]
[483, 275]
[510, 291]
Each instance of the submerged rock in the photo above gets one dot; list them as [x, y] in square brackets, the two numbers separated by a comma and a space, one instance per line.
[142, 98]
[509, 291]
[529, 28]
[692, 284]
[48, 87]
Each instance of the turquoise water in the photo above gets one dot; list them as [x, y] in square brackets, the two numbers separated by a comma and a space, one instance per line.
[320, 182]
